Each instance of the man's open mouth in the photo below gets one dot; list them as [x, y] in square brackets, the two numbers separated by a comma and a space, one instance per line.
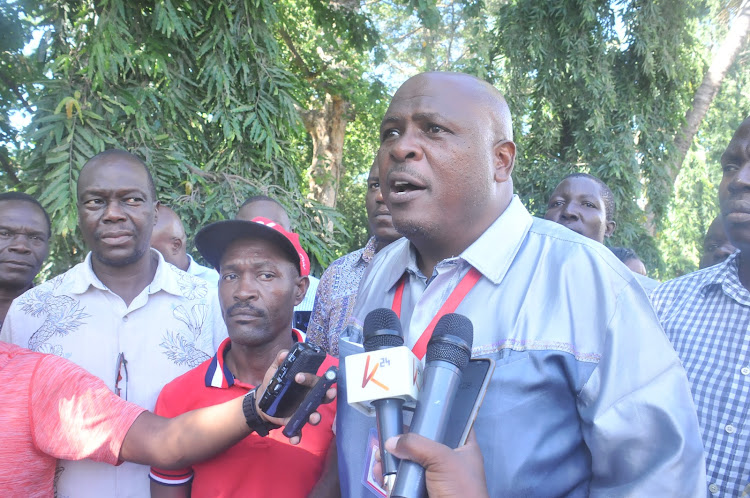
[400, 187]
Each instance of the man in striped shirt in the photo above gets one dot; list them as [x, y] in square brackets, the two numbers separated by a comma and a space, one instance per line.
[706, 315]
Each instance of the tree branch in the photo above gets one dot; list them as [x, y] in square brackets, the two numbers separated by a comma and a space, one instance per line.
[14, 88]
[296, 57]
[725, 55]
[7, 168]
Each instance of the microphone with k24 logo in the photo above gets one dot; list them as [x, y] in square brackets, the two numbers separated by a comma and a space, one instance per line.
[448, 353]
[391, 376]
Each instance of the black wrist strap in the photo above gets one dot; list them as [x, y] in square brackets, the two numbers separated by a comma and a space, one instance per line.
[253, 418]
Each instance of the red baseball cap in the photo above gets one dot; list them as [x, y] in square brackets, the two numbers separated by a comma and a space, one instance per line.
[212, 240]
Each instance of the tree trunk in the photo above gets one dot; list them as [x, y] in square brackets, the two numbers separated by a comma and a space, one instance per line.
[725, 56]
[327, 127]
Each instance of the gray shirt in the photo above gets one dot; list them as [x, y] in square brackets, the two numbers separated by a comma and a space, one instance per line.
[588, 397]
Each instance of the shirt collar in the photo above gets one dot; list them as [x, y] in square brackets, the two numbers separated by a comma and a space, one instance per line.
[164, 278]
[218, 374]
[726, 276]
[491, 254]
[369, 251]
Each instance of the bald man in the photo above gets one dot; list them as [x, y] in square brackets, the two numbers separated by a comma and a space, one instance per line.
[588, 398]
[170, 240]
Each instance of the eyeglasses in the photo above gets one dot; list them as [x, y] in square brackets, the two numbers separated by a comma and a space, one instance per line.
[121, 372]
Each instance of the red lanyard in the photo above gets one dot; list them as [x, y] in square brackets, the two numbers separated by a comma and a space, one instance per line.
[450, 305]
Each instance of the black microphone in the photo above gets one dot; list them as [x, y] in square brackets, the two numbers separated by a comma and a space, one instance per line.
[382, 330]
[448, 352]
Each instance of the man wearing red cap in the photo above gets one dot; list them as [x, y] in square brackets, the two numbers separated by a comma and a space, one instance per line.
[263, 275]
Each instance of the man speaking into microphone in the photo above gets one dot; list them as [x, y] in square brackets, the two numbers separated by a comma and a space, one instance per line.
[588, 398]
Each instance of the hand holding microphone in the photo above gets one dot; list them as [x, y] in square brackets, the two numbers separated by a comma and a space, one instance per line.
[449, 473]
[448, 353]
[391, 377]
[382, 330]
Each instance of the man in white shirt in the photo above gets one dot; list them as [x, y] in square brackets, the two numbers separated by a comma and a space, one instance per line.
[123, 314]
[170, 240]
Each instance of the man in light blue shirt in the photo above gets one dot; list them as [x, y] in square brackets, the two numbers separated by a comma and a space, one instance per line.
[588, 398]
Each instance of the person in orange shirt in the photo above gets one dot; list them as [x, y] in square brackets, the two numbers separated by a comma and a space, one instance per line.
[50, 409]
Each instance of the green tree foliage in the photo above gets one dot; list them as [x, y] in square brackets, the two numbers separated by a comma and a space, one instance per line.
[589, 98]
[17, 73]
[695, 201]
[332, 48]
[213, 95]
[198, 89]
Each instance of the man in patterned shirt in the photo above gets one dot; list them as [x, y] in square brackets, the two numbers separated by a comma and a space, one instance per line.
[339, 283]
[706, 315]
[123, 314]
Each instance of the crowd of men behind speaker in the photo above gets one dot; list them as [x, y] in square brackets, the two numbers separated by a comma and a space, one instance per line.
[590, 397]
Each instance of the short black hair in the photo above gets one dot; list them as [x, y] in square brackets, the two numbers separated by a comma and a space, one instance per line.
[259, 198]
[624, 254]
[607, 195]
[20, 196]
[123, 154]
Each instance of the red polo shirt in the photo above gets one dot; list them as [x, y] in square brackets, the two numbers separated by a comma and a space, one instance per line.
[256, 466]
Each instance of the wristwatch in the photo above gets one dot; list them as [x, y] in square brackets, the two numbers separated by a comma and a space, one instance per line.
[253, 418]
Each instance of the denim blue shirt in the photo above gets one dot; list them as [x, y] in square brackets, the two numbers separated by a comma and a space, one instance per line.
[588, 398]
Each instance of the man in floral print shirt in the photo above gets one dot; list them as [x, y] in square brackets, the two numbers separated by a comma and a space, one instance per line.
[123, 314]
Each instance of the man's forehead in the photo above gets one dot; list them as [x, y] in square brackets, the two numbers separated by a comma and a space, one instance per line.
[580, 186]
[437, 103]
[250, 247]
[740, 139]
[444, 94]
[26, 207]
[108, 168]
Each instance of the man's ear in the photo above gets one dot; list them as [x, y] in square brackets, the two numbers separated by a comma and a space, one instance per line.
[504, 153]
[156, 211]
[300, 290]
[610, 228]
[176, 246]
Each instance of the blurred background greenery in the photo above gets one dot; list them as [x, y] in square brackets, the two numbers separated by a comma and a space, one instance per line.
[231, 98]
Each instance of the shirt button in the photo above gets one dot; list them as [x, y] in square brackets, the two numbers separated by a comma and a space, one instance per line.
[125, 318]
[730, 429]
[714, 489]
[745, 370]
